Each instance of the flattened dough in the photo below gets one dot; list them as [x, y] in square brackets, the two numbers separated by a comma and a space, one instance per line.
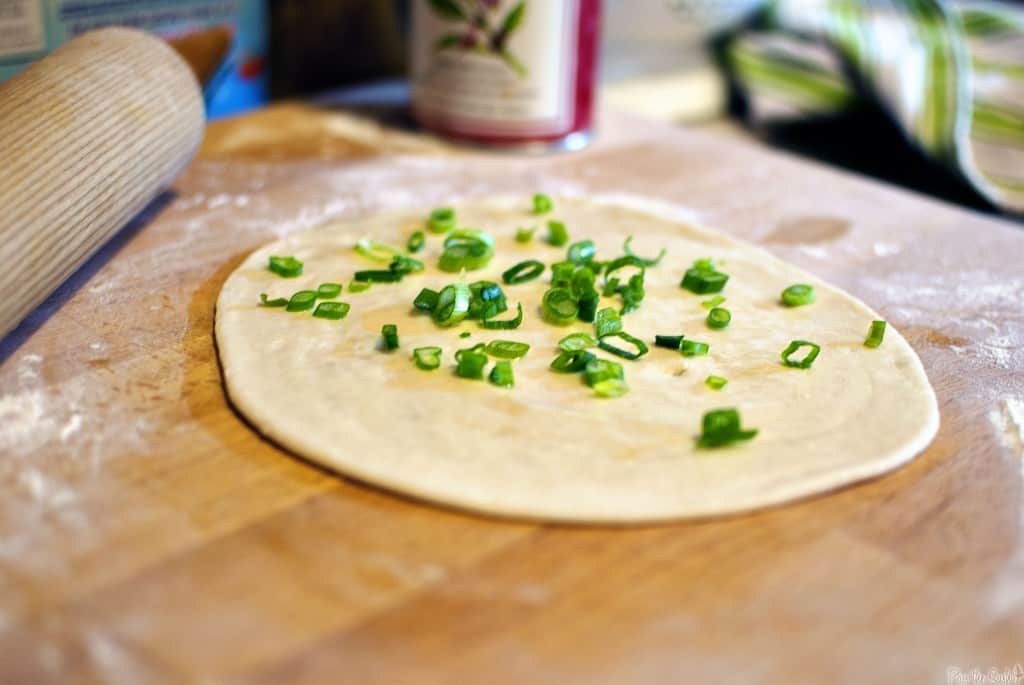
[549, 449]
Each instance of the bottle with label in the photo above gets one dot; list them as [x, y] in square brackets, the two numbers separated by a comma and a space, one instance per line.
[506, 72]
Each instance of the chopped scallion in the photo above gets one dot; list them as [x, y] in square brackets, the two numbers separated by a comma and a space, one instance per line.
[559, 307]
[611, 387]
[558, 235]
[427, 358]
[507, 324]
[301, 301]
[721, 427]
[523, 272]
[326, 291]
[466, 248]
[416, 241]
[276, 302]
[441, 220]
[571, 361]
[525, 235]
[646, 262]
[692, 348]
[712, 302]
[670, 342]
[501, 375]
[288, 267]
[332, 310]
[577, 341]
[607, 322]
[377, 251]
[808, 359]
[798, 295]
[581, 252]
[358, 286]
[426, 301]
[389, 332]
[598, 370]
[507, 349]
[638, 344]
[715, 382]
[702, 281]
[471, 365]
[377, 276]
[542, 204]
[719, 317]
[452, 304]
[875, 334]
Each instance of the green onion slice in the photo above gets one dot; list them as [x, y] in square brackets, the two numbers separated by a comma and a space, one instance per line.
[326, 291]
[637, 343]
[465, 334]
[558, 234]
[646, 262]
[571, 361]
[715, 382]
[577, 341]
[703, 281]
[523, 272]
[721, 427]
[471, 365]
[426, 301]
[487, 300]
[276, 302]
[378, 252]
[389, 332]
[588, 306]
[561, 274]
[466, 248]
[670, 342]
[378, 276]
[507, 324]
[475, 349]
[612, 387]
[621, 263]
[712, 302]
[525, 235]
[288, 267]
[719, 317]
[875, 334]
[501, 375]
[581, 252]
[452, 304]
[441, 220]
[633, 293]
[405, 265]
[607, 322]
[358, 286]
[798, 295]
[506, 349]
[598, 370]
[692, 348]
[332, 310]
[301, 301]
[559, 307]
[796, 345]
[611, 287]
[542, 204]
[416, 241]
[427, 358]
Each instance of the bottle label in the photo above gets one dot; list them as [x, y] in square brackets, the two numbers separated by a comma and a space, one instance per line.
[495, 67]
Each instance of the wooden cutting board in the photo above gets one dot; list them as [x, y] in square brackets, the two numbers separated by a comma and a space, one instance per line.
[148, 535]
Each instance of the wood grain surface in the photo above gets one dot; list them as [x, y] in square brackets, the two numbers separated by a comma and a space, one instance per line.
[148, 535]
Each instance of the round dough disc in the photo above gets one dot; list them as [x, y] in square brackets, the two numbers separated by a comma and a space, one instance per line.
[549, 448]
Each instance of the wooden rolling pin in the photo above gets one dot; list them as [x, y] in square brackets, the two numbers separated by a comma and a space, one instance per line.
[88, 136]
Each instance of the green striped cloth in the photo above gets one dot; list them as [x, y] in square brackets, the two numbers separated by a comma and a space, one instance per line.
[950, 74]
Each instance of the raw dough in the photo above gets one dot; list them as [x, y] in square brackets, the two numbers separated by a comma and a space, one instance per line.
[548, 448]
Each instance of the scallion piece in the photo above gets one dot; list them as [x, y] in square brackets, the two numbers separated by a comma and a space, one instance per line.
[501, 375]
[621, 263]
[598, 370]
[441, 220]
[506, 349]
[378, 252]
[633, 293]
[588, 303]
[571, 361]
[558, 235]
[670, 342]
[581, 252]
[452, 305]
[301, 301]
[523, 272]
[471, 365]
[525, 235]
[507, 324]
[646, 262]
[559, 307]
[582, 281]
[427, 358]
[327, 291]
[402, 265]
[703, 281]
[332, 310]
[276, 302]
[358, 286]
[798, 295]
[577, 341]
[378, 276]
[712, 302]
[426, 301]
[796, 345]
[288, 267]
[542, 204]
[611, 286]
[637, 343]
[719, 317]
[467, 249]
[875, 334]
[487, 300]
[561, 274]
[475, 349]
[607, 322]
[715, 382]
[613, 387]
[389, 332]
[692, 348]
[416, 241]
[721, 427]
